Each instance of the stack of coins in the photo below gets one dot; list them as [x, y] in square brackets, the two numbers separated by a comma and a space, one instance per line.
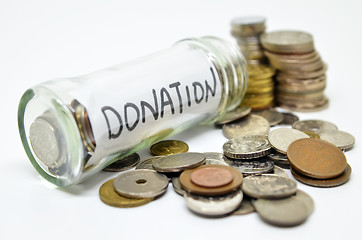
[260, 91]
[301, 78]
[247, 31]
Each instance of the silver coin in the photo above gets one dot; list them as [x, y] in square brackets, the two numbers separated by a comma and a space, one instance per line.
[289, 119]
[316, 126]
[278, 157]
[268, 186]
[123, 164]
[250, 125]
[281, 138]
[233, 115]
[177, 186]
[245, 207]
[147, 163]
[141, 183]
[278, 171]
[342, 140]
[289, 211]
[178, 162]
[247, 147]
[214, 206]
[214, 158]
[257, 166]
[274, 117]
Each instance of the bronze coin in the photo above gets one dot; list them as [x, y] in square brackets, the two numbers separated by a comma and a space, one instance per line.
[188, 185]
[211, 177]
[325, 183]
[316, 158]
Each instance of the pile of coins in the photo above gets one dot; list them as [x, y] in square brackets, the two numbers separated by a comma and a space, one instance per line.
[301, 76]
[247, 31]
[260, 92]
[244, 178]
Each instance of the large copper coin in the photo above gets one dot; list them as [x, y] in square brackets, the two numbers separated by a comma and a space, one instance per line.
[324, 183]
[316, 158]
[211, 177]
[188, 185]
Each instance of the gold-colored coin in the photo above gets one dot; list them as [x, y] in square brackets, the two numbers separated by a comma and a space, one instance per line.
[312, 134]
[168, 147]
[260, 90]
[109, 196]
[260, 71]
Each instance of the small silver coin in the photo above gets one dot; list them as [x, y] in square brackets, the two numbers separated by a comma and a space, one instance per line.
[247, 147]
[147, 163]
[342, 140]
[233, 115]
[316, 126]
[250, 125]
[268, 186]
[123, 164]
[274, 117]
[281, 138]
[214, 158]
[141, 183]
[248, 167]
[214, 206]
[278, 157]
[289, 119]
[245, 207]
[286, 212]
[178, 162]
[278, 171]
[177, 186]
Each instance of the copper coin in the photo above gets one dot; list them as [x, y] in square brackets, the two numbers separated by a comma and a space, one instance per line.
[333, 182]
[189, 186]
[316, 158]
[211, 177]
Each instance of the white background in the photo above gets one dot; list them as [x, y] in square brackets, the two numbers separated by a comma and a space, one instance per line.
[41, 40]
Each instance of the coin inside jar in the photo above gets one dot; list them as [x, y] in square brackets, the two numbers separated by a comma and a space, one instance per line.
[211, 177]
[168, 147]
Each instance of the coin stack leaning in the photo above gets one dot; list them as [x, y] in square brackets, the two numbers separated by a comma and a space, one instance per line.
[260, 91]
[301, 77]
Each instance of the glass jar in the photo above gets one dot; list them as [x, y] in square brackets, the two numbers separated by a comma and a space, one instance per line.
[72, 128]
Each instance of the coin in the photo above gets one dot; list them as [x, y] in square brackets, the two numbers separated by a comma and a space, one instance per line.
[289, 211]
[211, 177]
[214, 158]
[316, 126]
[177, 186]
[312, 134]
[260, 71]
[245, 207]
[287, 42]
[247, 147]
[281, 138]
[109, 196]
[289, 118]
[316, 158]
[255, 166]
[214, 206]
[278, 157]
[123, 164]
[140, 183]
[147, 163]
[274, 117]
[342, 140]
[306, 107]
[268, 186]
[189, 186]
[168, 147]
[233, 115]
[250, 125]
[178, 162]
[325, 183]
[278, 171]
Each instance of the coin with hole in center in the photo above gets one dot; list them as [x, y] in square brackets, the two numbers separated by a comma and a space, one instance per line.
[109, 196]
[141, 183]
[211, 177]
[316, 126]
